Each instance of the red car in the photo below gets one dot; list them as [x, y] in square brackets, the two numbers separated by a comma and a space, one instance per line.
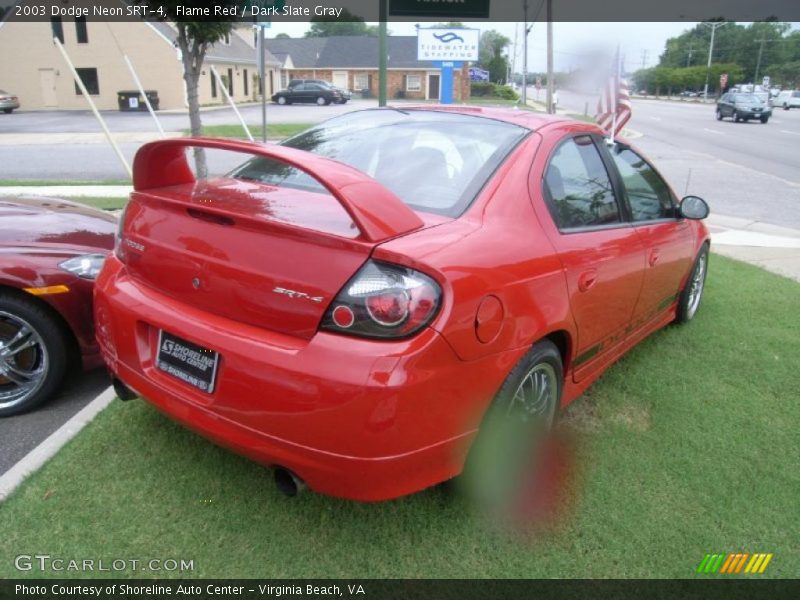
[50, 252]
[347, 306]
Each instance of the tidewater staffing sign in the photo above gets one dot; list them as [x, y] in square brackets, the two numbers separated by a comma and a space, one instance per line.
[448, 44]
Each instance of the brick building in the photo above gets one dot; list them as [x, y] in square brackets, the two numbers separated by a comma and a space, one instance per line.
[351, 62]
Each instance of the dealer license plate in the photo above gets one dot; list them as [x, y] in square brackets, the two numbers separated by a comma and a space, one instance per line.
[186, 361]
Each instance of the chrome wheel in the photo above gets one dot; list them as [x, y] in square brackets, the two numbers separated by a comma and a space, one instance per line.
[536, 396]
[696, 286]
[24, 360]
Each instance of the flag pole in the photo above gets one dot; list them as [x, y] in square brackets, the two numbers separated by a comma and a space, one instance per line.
[616, 98]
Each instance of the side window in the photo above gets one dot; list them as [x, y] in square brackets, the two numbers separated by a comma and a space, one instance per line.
[648, 194]
[579, 190]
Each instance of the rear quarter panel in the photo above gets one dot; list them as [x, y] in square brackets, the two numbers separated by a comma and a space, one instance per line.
[495, 249]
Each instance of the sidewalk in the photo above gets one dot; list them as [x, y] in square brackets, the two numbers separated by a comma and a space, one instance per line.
[771, 247]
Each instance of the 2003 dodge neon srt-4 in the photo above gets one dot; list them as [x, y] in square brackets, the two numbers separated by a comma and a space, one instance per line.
[349, 305]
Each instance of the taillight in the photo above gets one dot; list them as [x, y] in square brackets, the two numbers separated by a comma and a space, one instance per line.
[119, 247]
[384, 301]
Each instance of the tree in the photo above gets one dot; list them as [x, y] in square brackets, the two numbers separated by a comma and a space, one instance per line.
[345, 24]
[193, 41]
[491, 55]
[742, 45]
[282, 36]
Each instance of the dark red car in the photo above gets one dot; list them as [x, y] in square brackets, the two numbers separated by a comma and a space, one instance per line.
[50, 252]
[348, 306]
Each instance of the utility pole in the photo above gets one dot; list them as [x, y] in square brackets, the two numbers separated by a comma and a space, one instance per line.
[550, 82]
[713, 26]
[644, 58]
[758, 62]
[382, 52]
[689, 58]
[525, 53]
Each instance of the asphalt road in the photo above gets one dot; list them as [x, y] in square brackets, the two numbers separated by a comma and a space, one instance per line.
[64, 121]
[22, 433]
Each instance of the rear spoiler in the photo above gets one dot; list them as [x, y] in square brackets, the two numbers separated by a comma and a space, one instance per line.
[376, 211]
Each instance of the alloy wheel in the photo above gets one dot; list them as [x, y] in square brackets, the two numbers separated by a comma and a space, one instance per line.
[696, 285]
[24, 361]
[536, 396]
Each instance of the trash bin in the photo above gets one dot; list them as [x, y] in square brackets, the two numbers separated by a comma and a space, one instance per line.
[365, 93]
[131, 100]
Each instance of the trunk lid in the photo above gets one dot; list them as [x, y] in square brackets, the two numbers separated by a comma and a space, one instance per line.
[265, 255]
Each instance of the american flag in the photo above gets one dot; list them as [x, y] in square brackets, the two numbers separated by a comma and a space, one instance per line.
[615, 101]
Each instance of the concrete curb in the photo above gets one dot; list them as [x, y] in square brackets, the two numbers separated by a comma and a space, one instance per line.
[37, 457]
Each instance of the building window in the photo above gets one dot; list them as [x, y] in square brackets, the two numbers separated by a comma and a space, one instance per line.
[244, 80]
[361, 81]
[80, 30]
[413, 83]
[230, 82]
[58, 28]
[284, 80]
[89, 79]
[213, 84]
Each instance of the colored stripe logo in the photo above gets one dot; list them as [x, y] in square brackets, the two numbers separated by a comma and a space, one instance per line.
[734, 563]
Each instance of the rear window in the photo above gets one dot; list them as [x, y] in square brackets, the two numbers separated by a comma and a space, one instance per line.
[433, 161]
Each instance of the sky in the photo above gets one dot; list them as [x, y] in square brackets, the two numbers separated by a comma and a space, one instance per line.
[575, 44]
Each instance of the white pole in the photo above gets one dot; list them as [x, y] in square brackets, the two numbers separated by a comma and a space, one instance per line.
[86, 95]
[144, 95]
[616, 96]
[232, 103]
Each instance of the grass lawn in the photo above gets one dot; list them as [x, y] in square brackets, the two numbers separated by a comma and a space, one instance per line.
[274, 130]
[104, 203]
[687, 446]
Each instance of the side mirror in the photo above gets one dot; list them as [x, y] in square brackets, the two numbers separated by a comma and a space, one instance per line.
[693, 207]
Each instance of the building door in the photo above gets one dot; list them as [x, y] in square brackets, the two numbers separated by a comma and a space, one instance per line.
[433, 86]
[340, 79]
[47, 84]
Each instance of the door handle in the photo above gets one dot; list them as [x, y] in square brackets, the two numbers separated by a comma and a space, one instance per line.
[587, 279]
[653, 258]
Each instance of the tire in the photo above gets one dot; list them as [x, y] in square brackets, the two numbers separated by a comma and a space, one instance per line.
[735, 116]
[38, 359]
[321, 101]
[691, 297]
[8, 110]
[510, 433]
[785, 106]
[282, 100]
[764, 119]
[719, 115]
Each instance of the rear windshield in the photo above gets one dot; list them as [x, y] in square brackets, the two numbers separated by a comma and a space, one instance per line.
[433, 161]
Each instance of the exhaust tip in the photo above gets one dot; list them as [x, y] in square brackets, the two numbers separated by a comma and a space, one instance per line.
[288, 483]
[123, 391]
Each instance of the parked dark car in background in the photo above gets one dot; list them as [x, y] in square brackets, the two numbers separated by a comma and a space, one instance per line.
[50, 253]
[345, 94]
[309, 92]
[742, 107]
[8, 102]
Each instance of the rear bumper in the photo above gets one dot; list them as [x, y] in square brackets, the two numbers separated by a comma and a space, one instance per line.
[357, 419]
